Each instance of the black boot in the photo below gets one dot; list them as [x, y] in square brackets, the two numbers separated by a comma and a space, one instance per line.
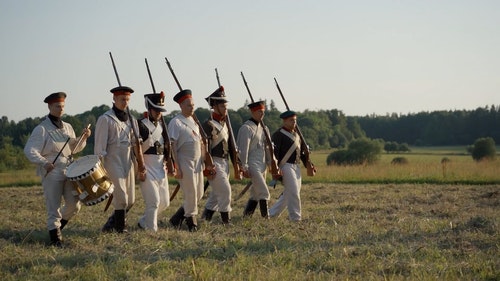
[109, 226]
[55, 237]
[192, 224]
[63, 224]
[264, 211]
[250, 208]
[225, 217]
[177, 218]
[120, 226]
[207, 214]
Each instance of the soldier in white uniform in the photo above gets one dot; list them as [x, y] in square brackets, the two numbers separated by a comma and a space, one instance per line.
[255, 158]
[219, 199]
[289, 153]
[186, 142]
[113, 143]
[51, 137]
[154, 189]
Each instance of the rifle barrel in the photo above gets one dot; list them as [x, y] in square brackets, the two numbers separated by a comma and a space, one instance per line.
[246, 85]
[150, 77]
[114, 68]
[173, 74]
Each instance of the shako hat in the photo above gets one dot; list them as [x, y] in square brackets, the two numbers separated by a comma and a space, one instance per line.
[217, 97]
[55, 97]
[155, 101]
[121, 90]
[182, 95]
[287, 114]
[254, 106]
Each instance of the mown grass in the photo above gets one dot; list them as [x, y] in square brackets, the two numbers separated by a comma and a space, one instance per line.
[397, 222]
[349, 232]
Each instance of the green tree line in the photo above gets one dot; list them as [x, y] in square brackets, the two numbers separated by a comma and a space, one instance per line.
[438, 128]
[323, 129]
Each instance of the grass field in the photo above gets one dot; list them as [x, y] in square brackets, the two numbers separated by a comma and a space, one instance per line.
[377, 222]
[349, 232]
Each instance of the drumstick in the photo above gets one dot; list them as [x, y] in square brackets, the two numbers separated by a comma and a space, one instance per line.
[57, 156]
[79, 141]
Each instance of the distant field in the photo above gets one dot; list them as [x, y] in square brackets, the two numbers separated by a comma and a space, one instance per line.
[424, 167]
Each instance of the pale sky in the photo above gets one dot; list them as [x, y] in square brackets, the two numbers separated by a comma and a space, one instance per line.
[360, 57]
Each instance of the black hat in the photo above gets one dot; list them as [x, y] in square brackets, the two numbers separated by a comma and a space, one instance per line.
[182, 95]
[287, 114]
[55, 97]
[155, 101]
[120, 90]
[217, 97]
[254, 106]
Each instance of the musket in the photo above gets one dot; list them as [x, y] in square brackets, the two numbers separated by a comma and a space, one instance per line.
[209, 162]
[58, 154]
[138, 148]
[274, 164]
[311, 170]
[235, 152]
[166, 142]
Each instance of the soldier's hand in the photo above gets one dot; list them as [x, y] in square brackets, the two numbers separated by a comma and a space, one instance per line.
[246, 174]
[48, 167]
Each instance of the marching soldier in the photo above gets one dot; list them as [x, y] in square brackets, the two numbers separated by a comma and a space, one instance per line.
[221, 149]
[154, 188]
[254, 158]
[49, 146]
[113, 143]
[289, 152]
[186, 142]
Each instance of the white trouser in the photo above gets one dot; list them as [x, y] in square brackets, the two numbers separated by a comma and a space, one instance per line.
[56, 187]
[219, 199]
[155, 193]
[259, 189]
[189, 158]
[290, 198]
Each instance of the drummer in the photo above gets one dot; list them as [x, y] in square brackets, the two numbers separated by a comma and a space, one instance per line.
[49, 146]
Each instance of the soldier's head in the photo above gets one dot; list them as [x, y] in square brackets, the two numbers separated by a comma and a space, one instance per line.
[154, 104]
[289, 120]
[218, 102]
[121, 96]
[257, 109]
[55, 102]
[185, 100]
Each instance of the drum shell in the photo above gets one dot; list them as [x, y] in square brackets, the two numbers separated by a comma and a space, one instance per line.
[94, 185]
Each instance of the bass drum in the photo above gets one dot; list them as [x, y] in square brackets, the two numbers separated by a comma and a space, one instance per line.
[90, 179]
